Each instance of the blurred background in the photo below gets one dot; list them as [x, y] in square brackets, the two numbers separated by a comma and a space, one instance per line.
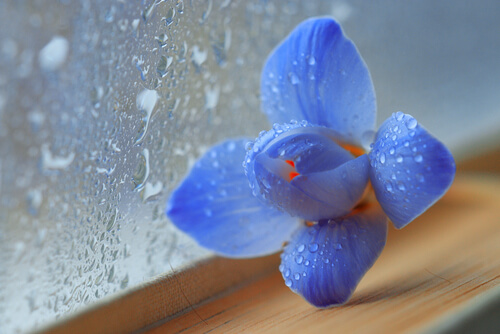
[104, 105]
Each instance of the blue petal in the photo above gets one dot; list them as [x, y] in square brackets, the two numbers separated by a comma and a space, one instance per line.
[341, 187]
[309, 151]
[410, 169]
[215, 206]
[316, 74]
[325, 262]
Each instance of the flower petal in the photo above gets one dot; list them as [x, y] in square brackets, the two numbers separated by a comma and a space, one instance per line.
[410, 169]
[215, 206]
[294, 151]
[341, 187]
[325, 262]
[316, 74]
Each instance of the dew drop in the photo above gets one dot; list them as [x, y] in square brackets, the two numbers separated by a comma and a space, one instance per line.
[401, 186]
[399, 158]
[392, 150]
[313, 247]
[418, 158]
[337, 246]
[388, 187]
[299, 259]
[399, 115]
[420, 178]
[296, 276]
[287, 273]
[382, 158]
[293, 78]
[412, 123]
[301, 248]
[288, 283]
[312, 60]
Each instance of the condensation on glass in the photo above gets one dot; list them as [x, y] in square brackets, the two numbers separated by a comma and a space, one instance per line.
[104, 105]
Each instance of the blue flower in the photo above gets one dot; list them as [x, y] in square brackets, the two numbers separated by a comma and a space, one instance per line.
[308, 184]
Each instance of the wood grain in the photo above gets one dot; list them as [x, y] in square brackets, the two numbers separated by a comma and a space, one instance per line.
[432, 269]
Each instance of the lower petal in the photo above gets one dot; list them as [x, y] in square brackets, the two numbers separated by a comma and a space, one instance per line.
[410, 169]
[325, 262]
[215, 206]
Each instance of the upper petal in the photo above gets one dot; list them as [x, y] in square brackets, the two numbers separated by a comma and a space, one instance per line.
[294, 168]
[215, 206]
[316, 74]
[324, 263]
[410, 169]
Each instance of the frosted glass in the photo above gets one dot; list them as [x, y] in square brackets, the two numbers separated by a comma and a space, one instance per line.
[104, 105]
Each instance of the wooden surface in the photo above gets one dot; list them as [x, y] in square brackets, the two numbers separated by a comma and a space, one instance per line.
[436, 268]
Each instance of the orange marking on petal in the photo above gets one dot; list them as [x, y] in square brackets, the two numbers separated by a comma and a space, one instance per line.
[293, 174]
[290, 162]
[356, 151]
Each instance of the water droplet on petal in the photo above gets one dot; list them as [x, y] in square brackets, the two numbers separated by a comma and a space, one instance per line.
[399, 158]
[418, 158]
[401, 186]
[313, 247]
[288, 283]
[411, 123]
[299, 259]
[301, 248]
[382, 158]
[293, 78]
[296, 276]
[399, 115]
[337, 246]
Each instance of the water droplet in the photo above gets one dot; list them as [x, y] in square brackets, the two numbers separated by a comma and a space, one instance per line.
[399, 158]
[406, 143]
[388, 187]
[163, 64]
[399, 116]
[169, 18]
[162, 40]
[141, 171]
[326, 260]
[312, 60]
[50, 161]
[296, 276]
[211, 96]
[418, 158]
[337, 246]
[145, 102]
[301, 248]
[299, 259]
[411, 123]
[306, 263]
[288, 283]
[313, 247]
[293, 78]
[287, 273]
[382, 158]
[392, 150]
[420, 178]
[401, 186]
[198, 56]
[53, 55]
